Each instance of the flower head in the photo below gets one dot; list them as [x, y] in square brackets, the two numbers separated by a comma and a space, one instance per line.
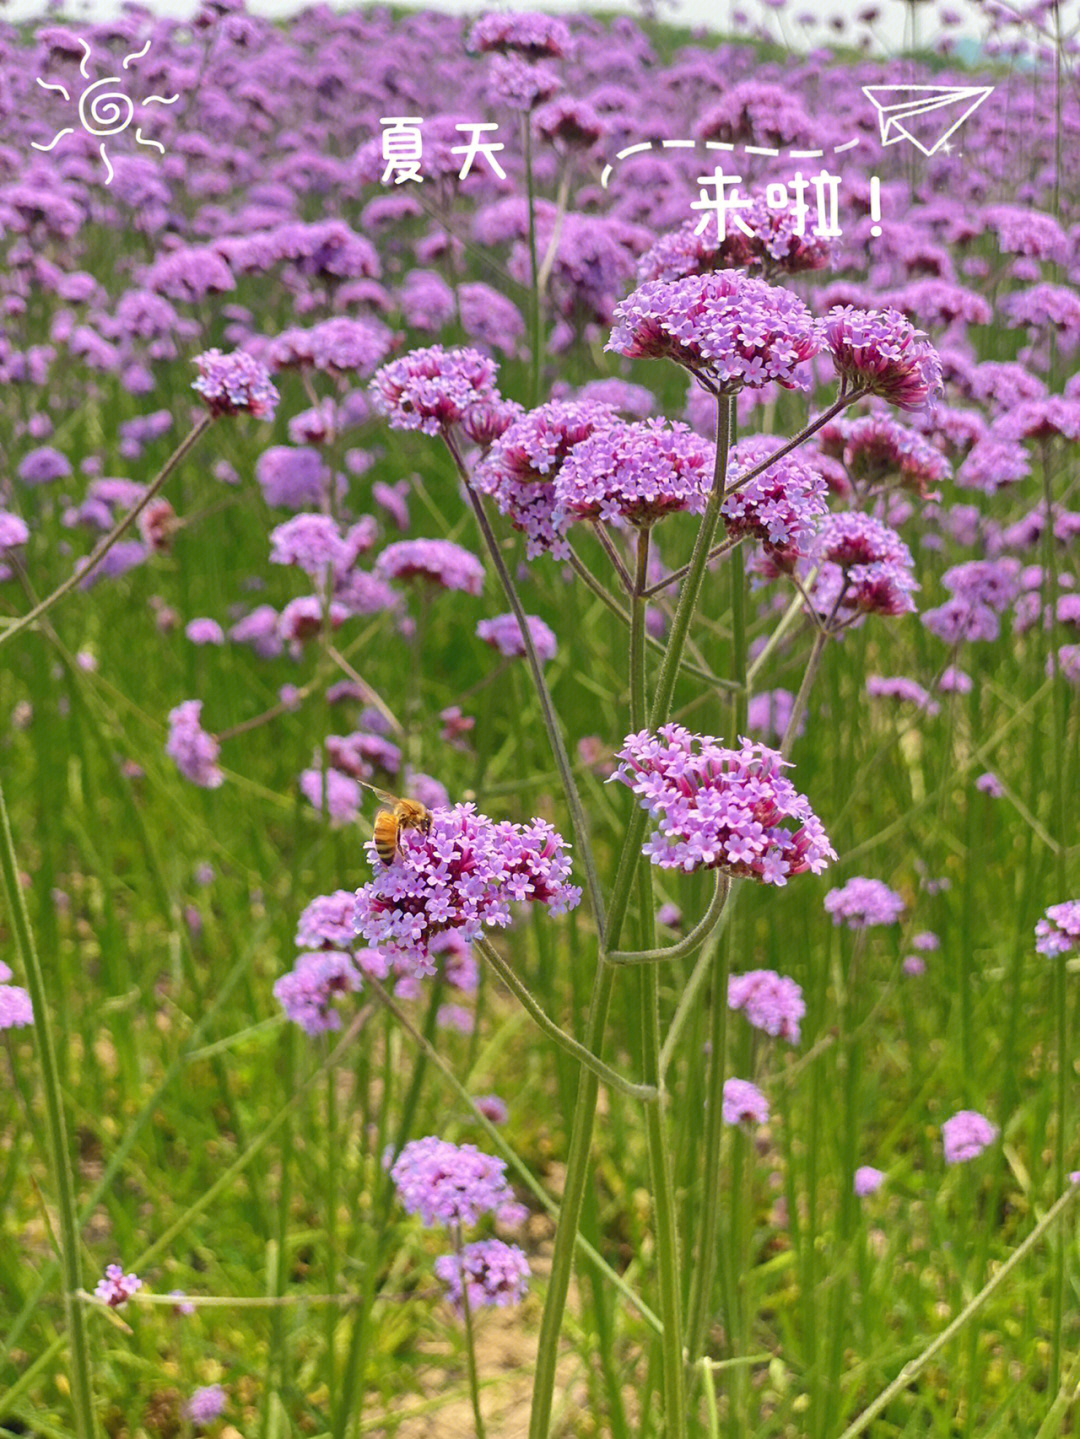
[881, 353]
[730, 331]
[865, 567]
[451, 1184]
[744, 1103]
[781, 507]
[206, 1404]
[433, 389]
[1058, 931]
[868, 1180]
[717, 808]
[497, 1274]
[864, 902]
[116, 1288]
[435, 562]
[463, 875]
[520, 469]
[637, 472]
[194, 750]
[771, 1002]
[308, 991]
[503, 633]
[966, 1135]
[16, 1010]
[235, 384]
[524, 33]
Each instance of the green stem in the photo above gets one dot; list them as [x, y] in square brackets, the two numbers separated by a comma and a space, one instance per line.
[691, 942]
[547, 708]
[520, 991]
[648, 987]
[534, 267]
[81, 1377]
[577, 1160]
[470, 1339]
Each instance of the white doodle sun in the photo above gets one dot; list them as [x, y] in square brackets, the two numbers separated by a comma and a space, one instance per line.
[104, 113]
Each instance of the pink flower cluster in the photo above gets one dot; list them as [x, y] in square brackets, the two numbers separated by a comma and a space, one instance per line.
[451, 1184]
[462, 876]
[772, 1002]
[1058, 931]
[496, 1274]
[717, 808]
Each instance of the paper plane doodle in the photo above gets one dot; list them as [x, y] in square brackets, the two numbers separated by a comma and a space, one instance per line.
[906, 112]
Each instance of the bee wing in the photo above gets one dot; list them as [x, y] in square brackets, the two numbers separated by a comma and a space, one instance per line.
[389, 800]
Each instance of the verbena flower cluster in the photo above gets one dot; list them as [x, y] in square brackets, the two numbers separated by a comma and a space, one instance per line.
[781, 507]
[462, 876]
[863, 902]
[718, 808]
[235, 384]
[729, 330]
[771, 1002]
[1058, 932]
[503, 633]
[495, 1274]
[965, 1135]
[193, 748]
[450, 1184]
[638, 473]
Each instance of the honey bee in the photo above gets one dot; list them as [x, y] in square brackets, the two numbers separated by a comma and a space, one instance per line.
[395, 816]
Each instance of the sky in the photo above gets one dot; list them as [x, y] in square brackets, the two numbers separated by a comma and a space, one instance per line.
[890, 32]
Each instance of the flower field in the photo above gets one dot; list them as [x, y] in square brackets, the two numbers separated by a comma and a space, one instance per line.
[539, 663]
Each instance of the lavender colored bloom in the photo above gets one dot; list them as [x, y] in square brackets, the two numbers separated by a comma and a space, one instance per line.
[194, 750]
[901, 688]
[456, 1017]
[744, 1103]
[462, 876]
[771, 1001]
[260, 630]
[669, 915]
[524, 33]
[520, 469]
[914, 965]
[43, 466]
[1045, 307]
[235, 384]
[994, 583]
[294, 477]
[639, 472]
[862, 903]
[14, 532]
[16, 1010]
[966, 1135]
[328, 922]
[307, 993]
[955, 681]
[206, 1404]
[989, 783]
[205, 632]
[313, 543]
[926, 940]
[1058, 931]
[781, 507]
[1067, 660]
[866, 567]
[492, 1108]
[877, 448]
[361, 754]
[719, 808]
[728, 330]
[569, 123]
[633, 401]
[434, 389]
[516, 83]
[766, 240]
[344, 796]
[868, 1180]
[451, 1184]
[879, 352]
[497, 1274]
[116, 1287]
[960, 619]
[434, 562]
[490, 318]
[504, 634]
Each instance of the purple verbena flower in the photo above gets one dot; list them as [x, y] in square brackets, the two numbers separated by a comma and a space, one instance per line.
[497, 1274]
[879, 352]
[868, 1180]
[717, 808]
[328, 922]
[1058, 931]
[744, 1103]
[636, 472]
[862, 903]
[308, 991]
[781, 507]
[16, 1010]
[206, 1404]
[451, 1184]
[728, 330]
[772, 1002]
[463, 876]
[116, 1288]
[235, 384]
[434, 389]
[440, 563]
[503, 633]
[194, 750]
[966, 1135]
